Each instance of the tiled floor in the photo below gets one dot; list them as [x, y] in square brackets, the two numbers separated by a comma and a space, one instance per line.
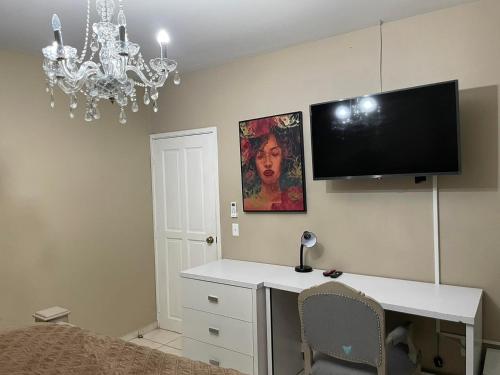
[165, 341]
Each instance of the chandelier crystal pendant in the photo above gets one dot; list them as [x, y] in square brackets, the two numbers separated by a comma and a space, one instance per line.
[119, 68]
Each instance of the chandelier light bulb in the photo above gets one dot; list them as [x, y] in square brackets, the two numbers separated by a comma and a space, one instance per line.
[122, 21]
[56, 23]
[162, 37]
[56, 27]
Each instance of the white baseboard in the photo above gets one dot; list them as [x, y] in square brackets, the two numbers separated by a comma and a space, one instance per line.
[143, 330]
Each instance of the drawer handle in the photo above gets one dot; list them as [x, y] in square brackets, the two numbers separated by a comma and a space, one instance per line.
[213, 299]
[214, 331]
[214, 362]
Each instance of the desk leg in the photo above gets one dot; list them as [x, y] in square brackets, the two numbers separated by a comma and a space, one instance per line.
[473, 343]
[269, 332]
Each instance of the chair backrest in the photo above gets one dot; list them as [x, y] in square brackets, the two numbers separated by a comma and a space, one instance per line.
[343, 323]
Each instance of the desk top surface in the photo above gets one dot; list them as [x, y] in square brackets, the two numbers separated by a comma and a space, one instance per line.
[445, 302]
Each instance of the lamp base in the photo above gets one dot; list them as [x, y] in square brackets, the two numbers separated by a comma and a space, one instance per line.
[303, 269]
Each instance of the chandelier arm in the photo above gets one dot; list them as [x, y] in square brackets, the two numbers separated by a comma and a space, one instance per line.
[146, 81]
[85, 70]
[68, 87]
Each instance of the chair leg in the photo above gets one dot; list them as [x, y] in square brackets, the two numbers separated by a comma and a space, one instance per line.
[306, 349]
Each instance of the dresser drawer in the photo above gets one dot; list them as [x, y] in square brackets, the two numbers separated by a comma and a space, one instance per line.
[214, 355]
[227, 300]
[228, 333]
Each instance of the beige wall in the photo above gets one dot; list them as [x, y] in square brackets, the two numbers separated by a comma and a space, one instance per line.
[372, 227]
[75, 208]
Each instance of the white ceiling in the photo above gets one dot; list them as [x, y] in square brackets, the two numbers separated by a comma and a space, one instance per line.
[207, 32]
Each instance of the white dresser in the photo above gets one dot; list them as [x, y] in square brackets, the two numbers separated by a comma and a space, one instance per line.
[220, 324]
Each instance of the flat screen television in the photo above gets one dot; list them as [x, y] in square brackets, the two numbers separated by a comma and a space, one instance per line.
[411, 132]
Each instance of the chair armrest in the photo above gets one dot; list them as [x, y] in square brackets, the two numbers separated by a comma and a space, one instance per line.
[404, 335]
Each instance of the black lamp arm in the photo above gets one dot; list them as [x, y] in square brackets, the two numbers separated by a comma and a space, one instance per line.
[301, 255]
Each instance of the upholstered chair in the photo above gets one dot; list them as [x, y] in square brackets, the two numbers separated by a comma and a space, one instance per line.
[343, 333]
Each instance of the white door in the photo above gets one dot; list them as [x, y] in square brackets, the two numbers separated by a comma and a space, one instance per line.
[185, 190]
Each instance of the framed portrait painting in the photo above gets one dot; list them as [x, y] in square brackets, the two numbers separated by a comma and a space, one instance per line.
[272, 164]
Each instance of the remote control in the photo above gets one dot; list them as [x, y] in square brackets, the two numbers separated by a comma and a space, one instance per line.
[336, 274]
[329, 273]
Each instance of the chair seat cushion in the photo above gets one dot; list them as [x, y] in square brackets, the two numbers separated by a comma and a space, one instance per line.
[398, 363]
[326, 365]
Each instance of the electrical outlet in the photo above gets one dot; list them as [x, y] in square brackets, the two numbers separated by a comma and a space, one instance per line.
[236, 229]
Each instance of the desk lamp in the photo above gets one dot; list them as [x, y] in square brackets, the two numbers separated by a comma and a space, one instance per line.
[308, 240]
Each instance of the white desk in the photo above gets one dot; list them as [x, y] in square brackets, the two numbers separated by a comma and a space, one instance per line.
[444, 302]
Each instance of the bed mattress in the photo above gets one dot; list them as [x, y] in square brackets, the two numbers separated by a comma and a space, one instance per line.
[44, 349]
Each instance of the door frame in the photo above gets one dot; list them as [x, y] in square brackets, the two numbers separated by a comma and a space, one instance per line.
[183, 133]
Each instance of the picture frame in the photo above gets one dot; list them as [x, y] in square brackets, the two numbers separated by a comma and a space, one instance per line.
[272, 163]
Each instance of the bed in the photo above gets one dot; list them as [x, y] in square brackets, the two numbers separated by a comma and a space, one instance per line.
[44, 349]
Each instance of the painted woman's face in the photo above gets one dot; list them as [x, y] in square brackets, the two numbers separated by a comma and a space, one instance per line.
[268, 161]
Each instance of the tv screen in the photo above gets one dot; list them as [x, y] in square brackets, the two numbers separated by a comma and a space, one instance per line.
[407, 132]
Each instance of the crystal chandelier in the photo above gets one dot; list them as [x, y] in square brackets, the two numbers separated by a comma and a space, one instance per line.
[119, 70]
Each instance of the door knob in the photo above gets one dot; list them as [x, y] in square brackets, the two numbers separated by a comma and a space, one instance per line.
[210, 240]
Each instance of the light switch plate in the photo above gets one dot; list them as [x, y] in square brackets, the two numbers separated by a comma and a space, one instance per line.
[236, 229]
[234, 210]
